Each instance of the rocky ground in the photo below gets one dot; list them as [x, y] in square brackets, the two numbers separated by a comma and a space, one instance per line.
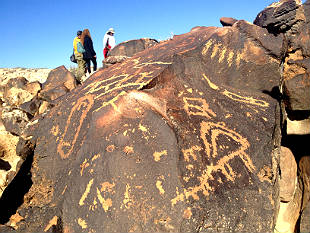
[31, 74]
[9, 160]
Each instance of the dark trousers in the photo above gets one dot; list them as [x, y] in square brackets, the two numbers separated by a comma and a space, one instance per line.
[94, 61]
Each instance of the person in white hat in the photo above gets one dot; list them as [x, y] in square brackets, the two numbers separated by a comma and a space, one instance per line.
[108, 42]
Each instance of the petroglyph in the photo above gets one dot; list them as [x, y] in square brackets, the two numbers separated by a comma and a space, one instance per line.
[157, 155]
[213, 131]
[127, 200]
[84, 165]
[160, 187]
[82, 223]
[220, 144]
[217, 49]
[236, 97]
[191, 153]
[197, 107]
[81, 108]
[52, 222]
[104, 187]
[212, 85]
[85, 194]
[245, 99]
[105, 203]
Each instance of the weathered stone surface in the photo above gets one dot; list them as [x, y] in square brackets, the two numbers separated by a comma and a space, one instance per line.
[288, 178]
[289, 213]
[304, 167]
[8, 157]
[14, 120]
[304, 219]
[131, 47]
[301, 127]
[177, 138]
[31, 74]
[127, 49]
[227, 21]
[279, 16]
[291, 192]
[19, 90]
[59, 82]
[291, 18]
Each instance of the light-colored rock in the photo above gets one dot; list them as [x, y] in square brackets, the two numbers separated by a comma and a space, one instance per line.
[298, 127]
[288, 179]
[289, 214]
[31, 75]
[8, 144]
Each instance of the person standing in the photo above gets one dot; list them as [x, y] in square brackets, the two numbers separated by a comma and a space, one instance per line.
[89, 54]
[108, 42]
[78, 52]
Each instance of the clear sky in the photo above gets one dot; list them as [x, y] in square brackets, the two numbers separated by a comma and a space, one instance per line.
[40, 33]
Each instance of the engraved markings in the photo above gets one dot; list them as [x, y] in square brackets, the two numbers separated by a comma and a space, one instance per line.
[157, 155]
[68, 139]
[217, 49]
[86, 192]
[236, 97]
[82, 223]
[197, 107]
[215, 137]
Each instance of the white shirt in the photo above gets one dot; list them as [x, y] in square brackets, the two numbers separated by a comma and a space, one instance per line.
[111, 40]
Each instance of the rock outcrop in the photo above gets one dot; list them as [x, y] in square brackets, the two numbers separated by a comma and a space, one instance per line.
[127, 49]
[291, 19]
[205, 132]
[155, 143]
[21, 101]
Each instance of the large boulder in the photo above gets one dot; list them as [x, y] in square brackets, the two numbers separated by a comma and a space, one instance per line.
[180, 137]
[127, 49]
[59, 82]
[18, 91]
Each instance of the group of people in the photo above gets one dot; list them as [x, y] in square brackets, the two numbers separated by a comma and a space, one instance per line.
[85, 54]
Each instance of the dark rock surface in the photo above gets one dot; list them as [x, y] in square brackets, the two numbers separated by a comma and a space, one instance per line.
[291, 19]
[185, 135]
[156, 144]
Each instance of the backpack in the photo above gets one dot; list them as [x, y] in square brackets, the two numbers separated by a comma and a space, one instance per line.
[72, 57]
[80, 48]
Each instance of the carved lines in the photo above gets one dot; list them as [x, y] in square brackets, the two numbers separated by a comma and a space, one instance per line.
[215, 136]
[244, 99]
[236, 97]
[215, 48]
[197, 107]
[78, 111]
[214, 130]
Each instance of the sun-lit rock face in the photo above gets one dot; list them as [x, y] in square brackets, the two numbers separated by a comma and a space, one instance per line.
[173, 139]
[187, 135]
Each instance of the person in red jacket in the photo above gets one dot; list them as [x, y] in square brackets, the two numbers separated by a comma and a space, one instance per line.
[108, 42]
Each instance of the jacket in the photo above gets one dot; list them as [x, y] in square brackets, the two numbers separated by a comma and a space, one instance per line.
[108, 39]
[89, 48]
[75, 45]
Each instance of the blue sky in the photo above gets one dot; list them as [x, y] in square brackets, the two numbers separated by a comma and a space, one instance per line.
[39, 33]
